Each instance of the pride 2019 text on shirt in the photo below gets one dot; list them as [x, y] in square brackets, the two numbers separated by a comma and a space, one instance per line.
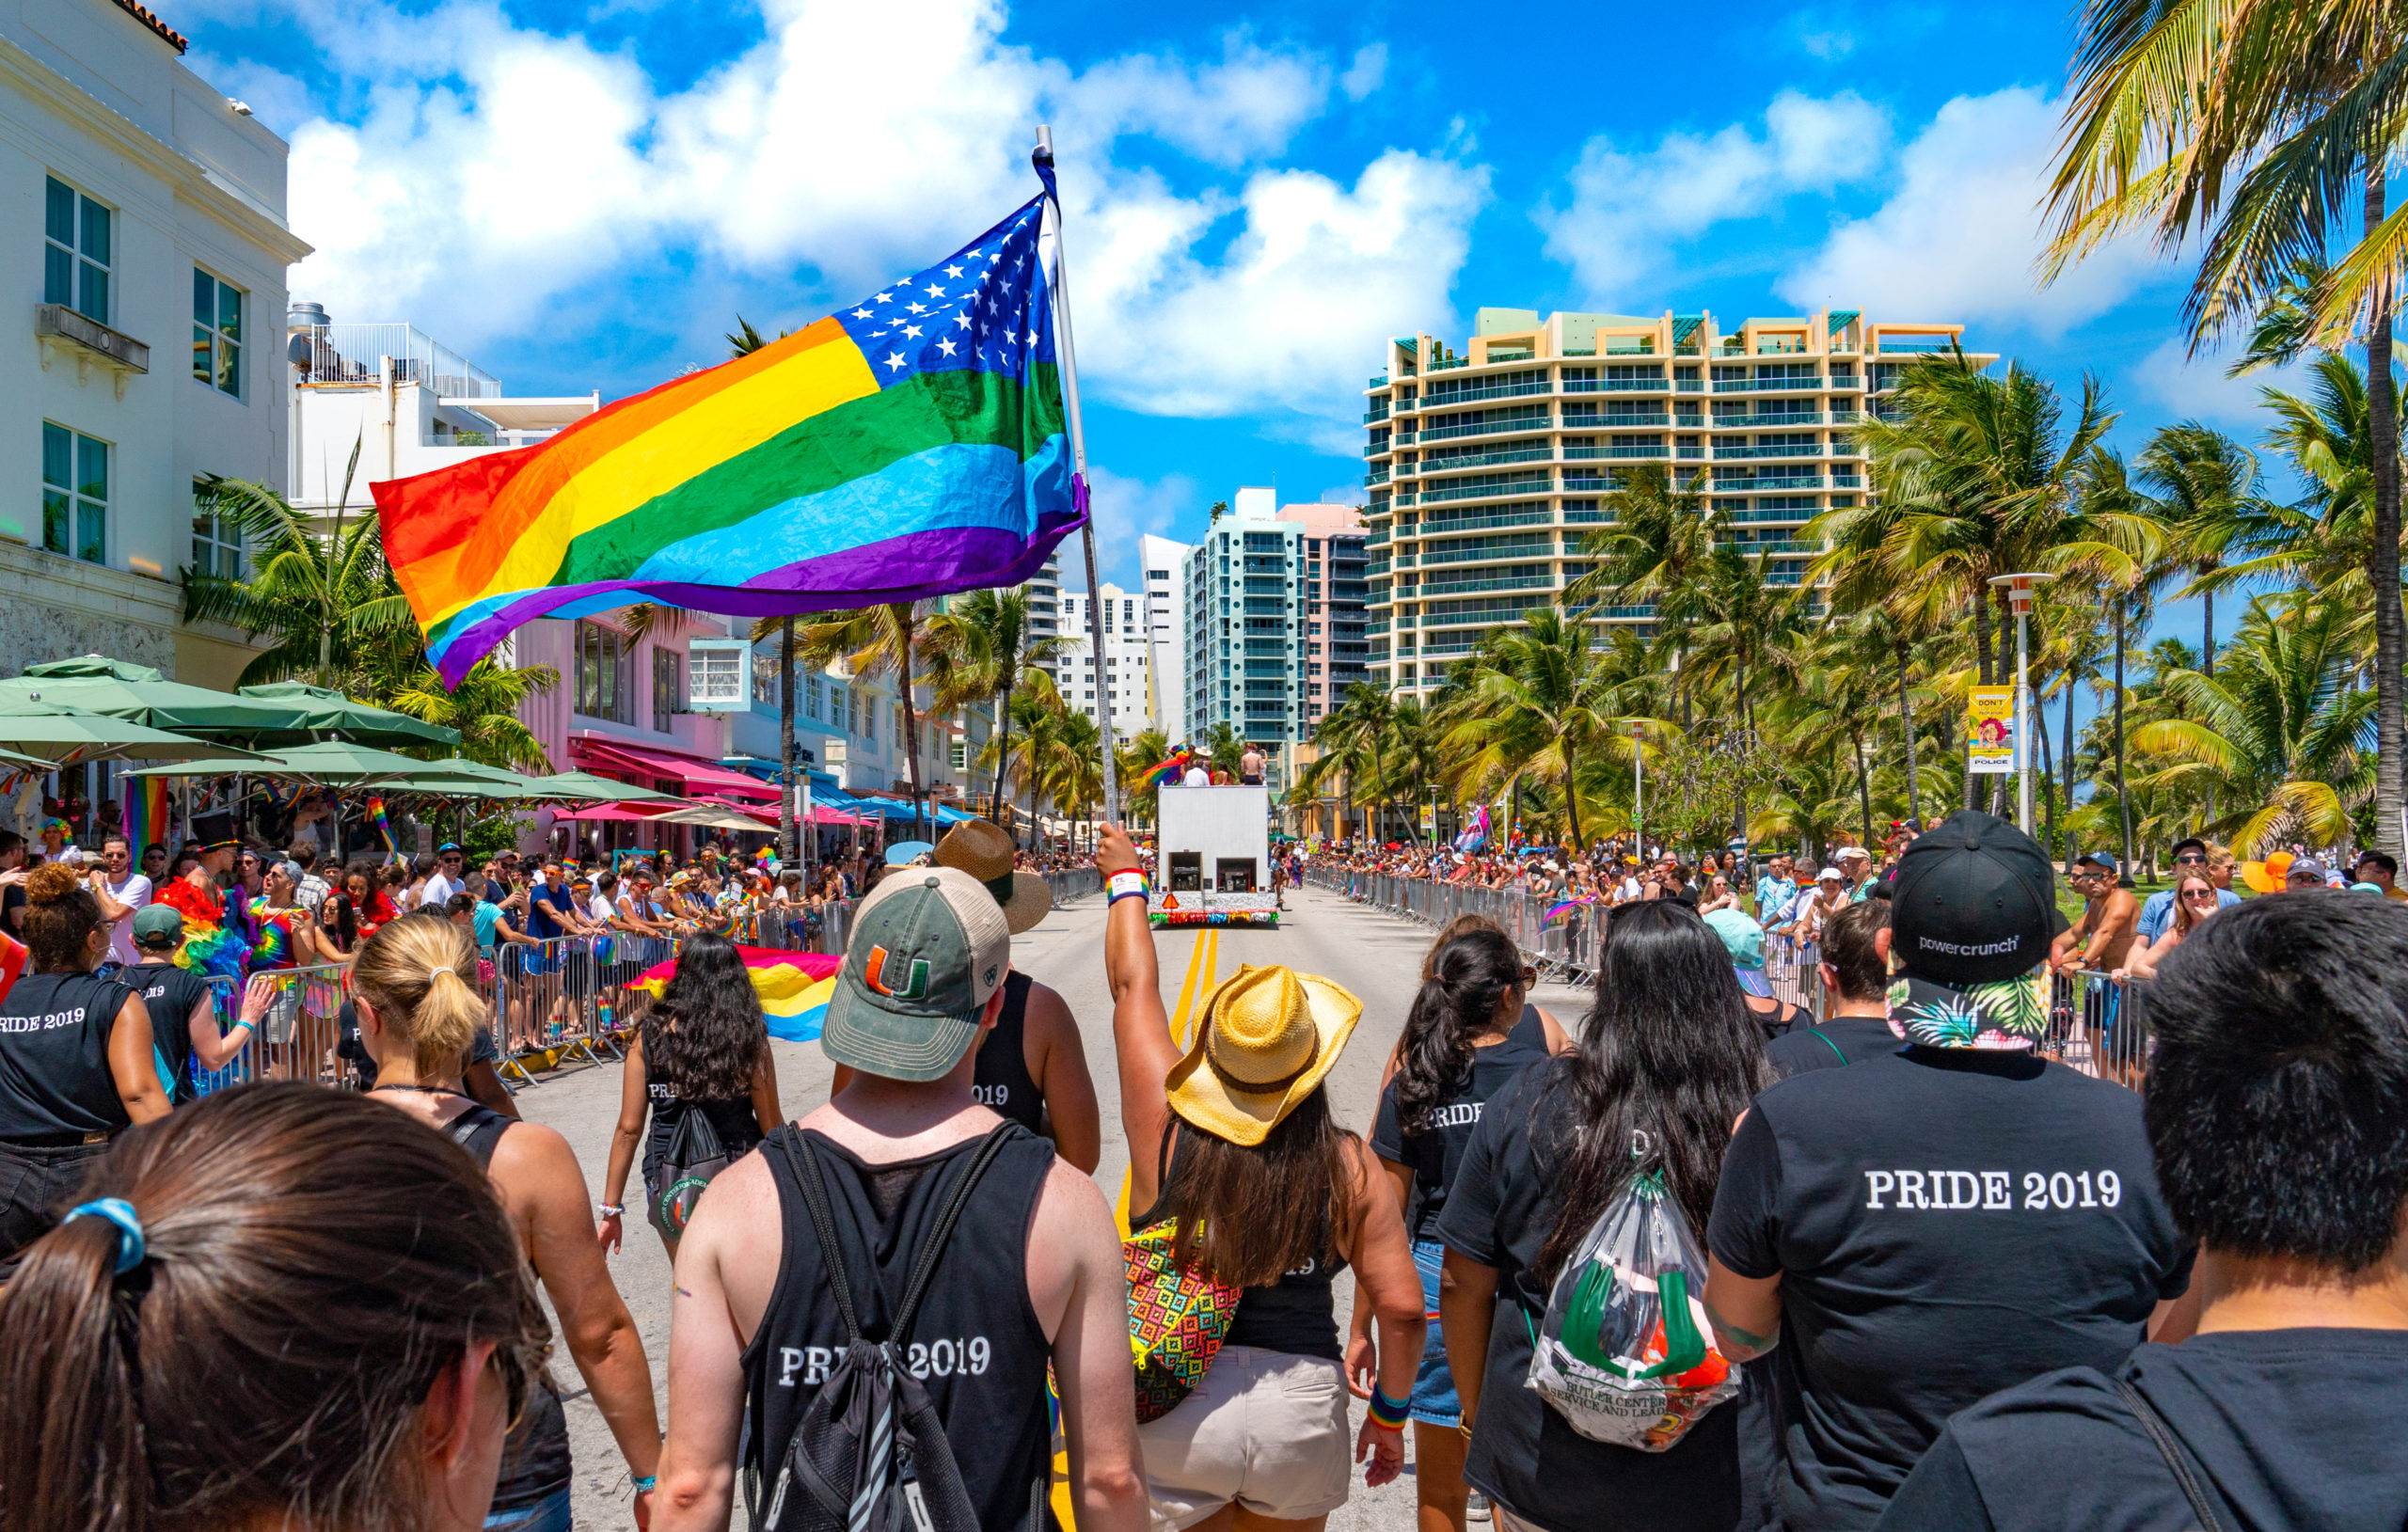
[1989, 1191]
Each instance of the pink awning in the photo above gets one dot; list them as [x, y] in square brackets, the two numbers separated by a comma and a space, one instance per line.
[614, 813]
[707, 777]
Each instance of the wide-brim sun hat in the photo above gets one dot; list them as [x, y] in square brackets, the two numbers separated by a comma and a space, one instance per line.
[1267, 1038]
[984, 850]
[2271, 875]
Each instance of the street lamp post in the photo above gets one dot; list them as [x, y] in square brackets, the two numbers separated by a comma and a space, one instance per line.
[2018, 596]
[1638, 791]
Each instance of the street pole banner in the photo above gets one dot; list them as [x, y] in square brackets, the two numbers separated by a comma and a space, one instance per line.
[1989, 730]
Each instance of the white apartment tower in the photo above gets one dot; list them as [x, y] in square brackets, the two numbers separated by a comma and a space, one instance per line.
[1123, 675]
[1166, 618]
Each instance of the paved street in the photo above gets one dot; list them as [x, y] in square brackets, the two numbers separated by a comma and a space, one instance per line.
[1376, 956]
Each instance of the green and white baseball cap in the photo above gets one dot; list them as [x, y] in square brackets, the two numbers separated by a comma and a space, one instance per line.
[929, 947]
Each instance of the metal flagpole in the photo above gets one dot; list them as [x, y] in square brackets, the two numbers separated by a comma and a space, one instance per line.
[1059, 280]
[1638, 791]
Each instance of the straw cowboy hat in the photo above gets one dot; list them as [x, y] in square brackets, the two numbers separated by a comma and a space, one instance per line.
[1268, 1036]
[982, 849]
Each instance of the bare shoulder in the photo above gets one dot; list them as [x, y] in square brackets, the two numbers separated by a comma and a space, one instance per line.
[1069, 1205]
[1047, 1009]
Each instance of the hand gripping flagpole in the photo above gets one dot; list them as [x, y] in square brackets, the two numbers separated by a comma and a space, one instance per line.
[1058, 281]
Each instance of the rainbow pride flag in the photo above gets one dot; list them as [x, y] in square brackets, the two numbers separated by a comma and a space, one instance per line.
[145, 813]
[794, 988]
[909, 446]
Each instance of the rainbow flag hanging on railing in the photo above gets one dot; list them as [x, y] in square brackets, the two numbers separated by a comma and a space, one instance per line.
[794, 988]
[909, 445]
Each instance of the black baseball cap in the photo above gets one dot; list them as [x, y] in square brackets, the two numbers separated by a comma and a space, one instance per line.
[1976, 902]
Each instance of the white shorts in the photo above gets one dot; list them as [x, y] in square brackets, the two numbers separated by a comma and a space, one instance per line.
[1266, 1430]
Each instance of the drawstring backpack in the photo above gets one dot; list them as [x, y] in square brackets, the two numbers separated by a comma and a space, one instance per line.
[1625, 1354]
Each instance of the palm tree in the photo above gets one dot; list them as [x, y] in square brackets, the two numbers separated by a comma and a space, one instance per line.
[2246, 127]
[1348, 738]
[1131, 762]
[2201, 478]
[1536, 701]
[327, 598]
[485, 708]
[1038, 713]
[982, 648]
[873, 640]
[2279, 731]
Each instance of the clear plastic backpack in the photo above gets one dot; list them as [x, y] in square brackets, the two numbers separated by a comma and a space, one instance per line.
[1625, 1354]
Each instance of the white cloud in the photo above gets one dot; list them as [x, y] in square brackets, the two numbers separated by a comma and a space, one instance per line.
[1370, 66]
[1285, 323]
[496, 170]
[1631, 208]
[1127, 507]
[2189, 388]
[1349, 492]
[1957, 238]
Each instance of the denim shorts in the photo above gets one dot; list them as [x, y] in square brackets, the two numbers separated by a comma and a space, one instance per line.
[1434, 1386]
[549, 1514]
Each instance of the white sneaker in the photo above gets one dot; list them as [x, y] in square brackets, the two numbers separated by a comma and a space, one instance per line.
[1476, 1509]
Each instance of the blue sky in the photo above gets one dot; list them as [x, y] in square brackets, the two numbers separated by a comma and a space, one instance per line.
[584, 196]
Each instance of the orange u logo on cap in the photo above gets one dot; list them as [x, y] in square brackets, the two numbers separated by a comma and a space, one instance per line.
[873, 975]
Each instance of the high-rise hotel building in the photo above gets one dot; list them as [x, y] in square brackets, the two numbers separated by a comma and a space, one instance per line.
[1489, 467]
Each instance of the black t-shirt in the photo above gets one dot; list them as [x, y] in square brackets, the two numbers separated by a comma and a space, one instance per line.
[1830, 1045]
[1945, 1223]
[1434, 1153]
[1524, 1455]
[12, 909]
[2285, 1428]
[171, 994]
[54, 1079]
[363, 1069]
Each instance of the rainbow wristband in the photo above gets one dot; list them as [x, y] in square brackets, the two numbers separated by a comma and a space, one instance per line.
[1390, 1414]
[1130, 885]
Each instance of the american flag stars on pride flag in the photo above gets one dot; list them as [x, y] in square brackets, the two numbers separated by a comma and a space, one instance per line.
[983, 308]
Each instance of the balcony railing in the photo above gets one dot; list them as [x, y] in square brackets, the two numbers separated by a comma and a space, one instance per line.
[1540, 453]
[349, 354]
[1767, 422]
[1377, 476]
[1847, 480]
[1890, 347]
[1379, 380]
[1744, 486]
[1436, 400]
[1480, 492]
[1511, 582]
[1615, 386]
[1486, 428]
[1724, 453]
[1540, 517]
[1615, 423]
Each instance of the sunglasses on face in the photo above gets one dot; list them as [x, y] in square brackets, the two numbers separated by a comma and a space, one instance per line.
[2189, 858]
[2208, 895]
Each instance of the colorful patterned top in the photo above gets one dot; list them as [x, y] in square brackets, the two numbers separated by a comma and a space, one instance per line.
[274, 946]
[210, 948]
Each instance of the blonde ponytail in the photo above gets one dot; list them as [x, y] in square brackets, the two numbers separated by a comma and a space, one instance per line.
[419, 973]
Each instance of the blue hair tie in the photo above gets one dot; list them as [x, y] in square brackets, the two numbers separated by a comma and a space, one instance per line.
[130, 1246]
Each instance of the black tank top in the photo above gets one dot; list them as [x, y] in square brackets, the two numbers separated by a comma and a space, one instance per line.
[977, 1346]
[535, 1458]
[1529, 1031]
[171, 994]
[1003, 1082]
[1297, 1313]
[56, 1087]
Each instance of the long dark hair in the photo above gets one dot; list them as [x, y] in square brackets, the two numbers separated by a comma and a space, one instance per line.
[1247, 1215]
[1671, 1051]
[704, 1037]
[1465, 980]
[324, 1257]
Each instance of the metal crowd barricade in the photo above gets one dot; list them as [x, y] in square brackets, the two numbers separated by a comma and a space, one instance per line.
[296, 1040]
[2100, 1025]
[1791, 968]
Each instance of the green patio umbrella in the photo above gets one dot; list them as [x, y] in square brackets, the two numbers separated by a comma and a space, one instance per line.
[138, 694]
[585, 787]
[331, 712]
[333, 763]
[57, 734]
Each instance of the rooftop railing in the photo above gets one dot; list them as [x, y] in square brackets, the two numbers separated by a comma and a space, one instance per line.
[350, 354]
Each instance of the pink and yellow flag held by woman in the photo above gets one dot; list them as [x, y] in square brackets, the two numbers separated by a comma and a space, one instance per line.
[910, 444]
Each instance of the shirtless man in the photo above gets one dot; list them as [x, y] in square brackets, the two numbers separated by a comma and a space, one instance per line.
[2111, 918]
[1250, 766]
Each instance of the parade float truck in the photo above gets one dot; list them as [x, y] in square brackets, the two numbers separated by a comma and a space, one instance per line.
[1213, 858]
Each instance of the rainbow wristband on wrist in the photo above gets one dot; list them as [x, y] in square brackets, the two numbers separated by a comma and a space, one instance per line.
[1130, 885]
[1390, 1414]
